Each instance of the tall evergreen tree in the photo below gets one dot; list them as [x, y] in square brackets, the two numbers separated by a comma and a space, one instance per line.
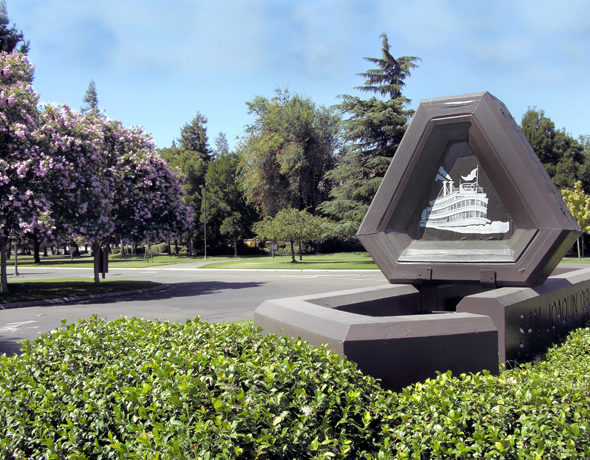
[90, 99]
[373, 129]
[193, 137]
[10, 37]
[221, 145]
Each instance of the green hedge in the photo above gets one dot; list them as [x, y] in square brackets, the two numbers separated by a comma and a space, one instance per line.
[137, 389]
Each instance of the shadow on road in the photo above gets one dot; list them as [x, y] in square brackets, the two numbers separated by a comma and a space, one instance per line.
[178, 290]
[9, 346]
[175, 290]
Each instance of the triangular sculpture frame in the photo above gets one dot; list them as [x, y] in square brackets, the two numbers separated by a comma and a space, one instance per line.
[545, 229]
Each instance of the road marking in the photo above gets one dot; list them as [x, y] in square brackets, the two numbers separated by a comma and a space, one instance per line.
[14, 327]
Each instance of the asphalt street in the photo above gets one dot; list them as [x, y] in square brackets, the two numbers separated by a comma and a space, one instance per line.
[213, 295]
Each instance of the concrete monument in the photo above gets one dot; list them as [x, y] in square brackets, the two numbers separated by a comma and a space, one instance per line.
[467, 227]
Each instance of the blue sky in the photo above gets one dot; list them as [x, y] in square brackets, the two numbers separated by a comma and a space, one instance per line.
[157, 63]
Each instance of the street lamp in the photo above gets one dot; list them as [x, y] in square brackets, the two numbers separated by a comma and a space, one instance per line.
[204, 220]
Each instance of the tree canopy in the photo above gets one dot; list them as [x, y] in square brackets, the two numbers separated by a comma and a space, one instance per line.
[372, 132]
[90, 99]
[193, 137]
[578, 203]
[286, 152]
[228, 215]
[564, 158]
[10, 37]
[292, 226]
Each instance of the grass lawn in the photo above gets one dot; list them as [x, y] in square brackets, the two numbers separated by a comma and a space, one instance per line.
[85, 260]
[26, 291]
[575, 260]
[339, 261]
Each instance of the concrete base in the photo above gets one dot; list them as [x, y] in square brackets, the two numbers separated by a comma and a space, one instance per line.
[403, 334]
[530, 319]
[405, 347]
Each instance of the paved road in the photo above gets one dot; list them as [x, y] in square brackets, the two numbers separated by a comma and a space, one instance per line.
[214, 295]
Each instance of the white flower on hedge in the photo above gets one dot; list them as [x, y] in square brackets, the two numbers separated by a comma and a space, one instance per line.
[307, 410]
[512, 381]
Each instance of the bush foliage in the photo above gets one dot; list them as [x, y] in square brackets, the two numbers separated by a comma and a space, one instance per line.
[138, 389]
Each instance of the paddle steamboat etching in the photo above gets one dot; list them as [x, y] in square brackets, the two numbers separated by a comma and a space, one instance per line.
[461, 209]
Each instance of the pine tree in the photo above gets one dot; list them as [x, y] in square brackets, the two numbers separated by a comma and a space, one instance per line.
[373, 129]
[10, 37]
[90, 100]
[221, 145]
[193, 137]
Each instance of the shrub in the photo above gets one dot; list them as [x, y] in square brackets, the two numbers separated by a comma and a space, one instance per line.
[138, 389]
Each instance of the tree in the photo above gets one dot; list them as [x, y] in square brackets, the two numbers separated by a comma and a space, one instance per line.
[373, 129]
[293, 226]
[23, 165]
[90, 100]
[563, 157]
[109, 182]
[193, 137]
[579, 205]
[227, 210]
[221, 145]
[193, 167]
[10, 37]
[286, 153]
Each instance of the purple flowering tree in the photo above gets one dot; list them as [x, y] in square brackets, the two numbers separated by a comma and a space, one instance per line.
[23, 166]
[65, 175]
[84, 177]
[149, 206]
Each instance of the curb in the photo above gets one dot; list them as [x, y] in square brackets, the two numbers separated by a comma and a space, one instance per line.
[63, 300]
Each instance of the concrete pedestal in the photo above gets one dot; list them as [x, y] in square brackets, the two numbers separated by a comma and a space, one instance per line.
[404, 334]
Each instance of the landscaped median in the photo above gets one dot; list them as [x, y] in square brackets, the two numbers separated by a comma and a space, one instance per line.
[21, 291]
[141, 389]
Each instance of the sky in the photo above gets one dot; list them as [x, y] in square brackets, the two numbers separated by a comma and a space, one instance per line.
[156, 64]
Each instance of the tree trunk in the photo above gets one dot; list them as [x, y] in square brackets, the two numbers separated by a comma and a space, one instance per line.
[16, 259]
[176, 246]
[45, 251]
[3, 277]
[235, 246]
[293, 261]
[36, 249]
[300, 251]
[579, 255]
[95, 255]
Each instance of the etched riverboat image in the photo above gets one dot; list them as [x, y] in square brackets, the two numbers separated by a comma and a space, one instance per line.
[461, 209]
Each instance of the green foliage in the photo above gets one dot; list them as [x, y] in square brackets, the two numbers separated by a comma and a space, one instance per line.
[194, 168]
[564, 157]
[291, 225]
[193, 137]
[229, 217]
[286, 153]
[11, 37]
[538, 411]
[373, 130]
[138, 389]
[579, 205]
[90, 99]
